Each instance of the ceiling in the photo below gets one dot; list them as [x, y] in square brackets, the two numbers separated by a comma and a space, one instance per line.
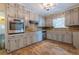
[60, 7]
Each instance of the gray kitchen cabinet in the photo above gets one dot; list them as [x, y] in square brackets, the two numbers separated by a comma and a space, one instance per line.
[14, 42]
[41, 21]
[53, 36]
[63, 36]
[28, 41]
[28, 38]
[67, 37]
[17, 44]
[75, 16]
[25, 41]
[21, 43]
[48, 22]
[20, 11]
[72, 17]
[2, 6]
[11, 10]
[67, 18]
[18, 41]
[49, 35]
[26, 17]
[8, 45]
[59, 37]
[76, 39]
[33, 40]
[12, 45]
[32, 16]
[21, 40]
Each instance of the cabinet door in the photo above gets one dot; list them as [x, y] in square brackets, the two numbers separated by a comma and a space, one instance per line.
[12, 45]
[59, 37]
[33, 38]
[72, 17]
[26, 16]
[25, 41]
[48, 22]
[76, 39]
[21, 43]
[20, 11]
[2, 6]
[67, 37]
[54, 36]
[8, 45]
[41, 22]
[76, 16]
[28, 38]
[31, 16]
[11, 10]
[17, 43]
[49, 35]
[67, 17]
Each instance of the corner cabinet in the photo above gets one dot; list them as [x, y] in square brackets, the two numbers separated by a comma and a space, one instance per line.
[72, 17]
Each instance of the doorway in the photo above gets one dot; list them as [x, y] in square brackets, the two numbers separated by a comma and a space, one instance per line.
[2, 30]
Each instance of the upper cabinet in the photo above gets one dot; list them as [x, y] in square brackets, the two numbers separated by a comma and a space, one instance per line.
[15, 10]
[67, 17]
[72, 17]
[11, 10]
[26, 16]
[33, 16]
[41, 22]
[2, 6]
[48, 22]
[20, 11]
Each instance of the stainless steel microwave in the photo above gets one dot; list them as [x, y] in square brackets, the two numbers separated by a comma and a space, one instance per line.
[16, 26]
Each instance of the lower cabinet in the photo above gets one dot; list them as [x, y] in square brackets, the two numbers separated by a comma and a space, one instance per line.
[12, 45]
[21, 43]
[76, 39]
[25, 42]
[63, 36]
[68, 37]
[15, 42]
[28, 40]
[33, 39]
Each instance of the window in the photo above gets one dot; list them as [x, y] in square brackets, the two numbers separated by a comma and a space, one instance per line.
[59, 23]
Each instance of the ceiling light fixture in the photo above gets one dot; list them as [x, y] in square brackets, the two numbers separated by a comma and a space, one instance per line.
[47, 6]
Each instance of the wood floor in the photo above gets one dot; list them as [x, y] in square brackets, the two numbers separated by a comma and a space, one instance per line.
[47, 47]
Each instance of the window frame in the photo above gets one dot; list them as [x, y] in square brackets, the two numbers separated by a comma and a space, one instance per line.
[59, 26]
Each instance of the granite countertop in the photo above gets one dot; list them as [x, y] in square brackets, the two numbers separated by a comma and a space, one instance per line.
[35, 30]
